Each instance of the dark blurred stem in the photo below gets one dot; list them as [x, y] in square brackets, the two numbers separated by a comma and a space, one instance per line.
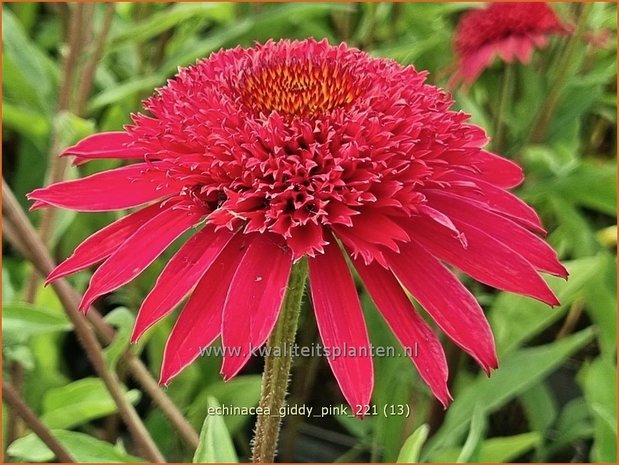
[57, 166]
[571, 320]
[344, 22]
[396, 14]
[277, 368]
[88, 74]
[561, 76]
[37, 254]
[160, 48]
[436, 414]
[74, 44]
[371, 19]
[80, 25]
[14, 426]
[11, 396]
[94, 351]
[501, 117]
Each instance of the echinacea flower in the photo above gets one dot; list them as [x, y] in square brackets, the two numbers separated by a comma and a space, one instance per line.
[511, 31]
[294, 150]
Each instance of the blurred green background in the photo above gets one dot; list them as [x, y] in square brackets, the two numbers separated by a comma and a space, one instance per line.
[554, 396]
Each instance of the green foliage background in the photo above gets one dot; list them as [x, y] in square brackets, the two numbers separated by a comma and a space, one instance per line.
[554, 396]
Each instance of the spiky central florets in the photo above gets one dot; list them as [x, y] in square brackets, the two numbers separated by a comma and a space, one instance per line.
[296, 138]
[301, 88]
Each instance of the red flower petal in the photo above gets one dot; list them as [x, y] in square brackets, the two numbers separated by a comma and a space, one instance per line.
[520, 240]
[498, 170]
[410, 329]
[501, 201]
[181, 273]
[102, 244]
[104, 145]
[115, 189]
[443, 220]
[254, 300]
[485, 259]
[448, 302]
[378, 228]
[341, 324]
[139, 251]
[199, 323]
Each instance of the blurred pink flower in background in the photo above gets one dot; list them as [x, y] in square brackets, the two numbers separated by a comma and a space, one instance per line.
[511, 31]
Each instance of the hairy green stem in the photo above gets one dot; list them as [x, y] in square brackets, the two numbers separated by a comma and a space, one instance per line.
[277, 368]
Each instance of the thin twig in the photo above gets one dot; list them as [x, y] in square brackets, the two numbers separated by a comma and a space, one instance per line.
[57, 166]
[17, 405]
[571, 320]
[57, 169]
[88, 74]
[75, 43]
[70, 298]
[85, 333]
[13, 425]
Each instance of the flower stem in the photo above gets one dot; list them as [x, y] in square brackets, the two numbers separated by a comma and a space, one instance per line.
[561, 77]
[507, 90]
[277, 368]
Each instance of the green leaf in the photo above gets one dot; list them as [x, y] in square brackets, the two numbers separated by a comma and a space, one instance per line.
[123, 319]
[242, 391]
[80, 402]
[471, 449]
[28, 62]
[26, 13]
[396, 387]
[171, 17]
[21, 321]
[412, 446]
[496, 450]
[599, 381]
[574, 424]
[248, 29]
[19, 353]
[83, 447]
[125, 90]
[540, 407]
[8, 292]
[574, 235]
[591, 185]
[515, 319]
[72, 128]
[28, 123]
[215, 443]
[601, 304]
[518, 371]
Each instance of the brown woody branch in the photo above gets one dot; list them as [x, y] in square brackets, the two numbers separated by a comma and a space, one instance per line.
[38, 255]
[32, 242]
[11, 396]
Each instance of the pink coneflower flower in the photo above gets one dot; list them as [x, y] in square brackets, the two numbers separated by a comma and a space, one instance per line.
[294, 150]
[511, 31]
